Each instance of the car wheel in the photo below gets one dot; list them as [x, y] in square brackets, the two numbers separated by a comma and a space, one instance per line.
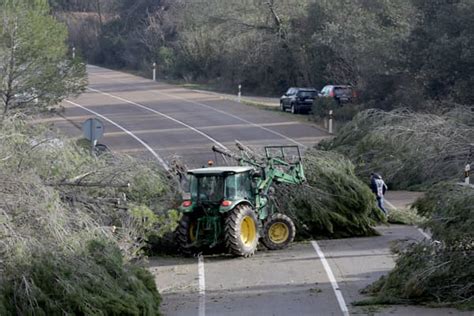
[294, 110]
[282, 107]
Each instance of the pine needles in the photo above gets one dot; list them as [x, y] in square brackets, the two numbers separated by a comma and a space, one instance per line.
[439, 273]
[333, 202]
[70, 223]
[411, 150]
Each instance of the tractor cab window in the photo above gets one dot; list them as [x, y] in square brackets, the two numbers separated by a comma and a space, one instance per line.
[207, 188]
[238, 186]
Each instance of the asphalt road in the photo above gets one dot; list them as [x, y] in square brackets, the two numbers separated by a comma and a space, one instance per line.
[175, 121]
[158, 121]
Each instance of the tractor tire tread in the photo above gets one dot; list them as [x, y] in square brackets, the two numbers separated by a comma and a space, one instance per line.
[231, 230]
[278, 217]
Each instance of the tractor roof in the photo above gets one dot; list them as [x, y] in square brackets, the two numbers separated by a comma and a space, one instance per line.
[219, 170]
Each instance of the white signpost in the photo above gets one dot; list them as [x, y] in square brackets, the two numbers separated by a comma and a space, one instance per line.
[93, 130]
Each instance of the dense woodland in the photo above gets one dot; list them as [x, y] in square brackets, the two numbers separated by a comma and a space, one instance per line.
[397, 53]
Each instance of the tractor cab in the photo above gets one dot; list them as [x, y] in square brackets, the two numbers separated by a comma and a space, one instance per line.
[214, 185]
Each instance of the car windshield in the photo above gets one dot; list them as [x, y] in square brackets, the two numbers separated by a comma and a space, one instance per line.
[307, 94]
[343, 91]
[207, 188]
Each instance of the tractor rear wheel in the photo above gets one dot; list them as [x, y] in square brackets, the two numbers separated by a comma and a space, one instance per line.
[278, 232]
[241, 232]
[186, 234]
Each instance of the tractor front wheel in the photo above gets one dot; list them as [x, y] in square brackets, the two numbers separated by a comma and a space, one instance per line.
[241, 232]
[278, 232]
[186, 234]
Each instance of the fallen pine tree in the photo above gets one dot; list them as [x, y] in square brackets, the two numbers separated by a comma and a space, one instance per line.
[333, 203]
[439, 272]
[70, 225]
[411, 150]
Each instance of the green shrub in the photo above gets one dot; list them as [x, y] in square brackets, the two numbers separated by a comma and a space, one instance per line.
[342, 112]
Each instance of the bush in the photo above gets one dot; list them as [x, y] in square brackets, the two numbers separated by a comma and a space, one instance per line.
[333, 202]
[342, 112]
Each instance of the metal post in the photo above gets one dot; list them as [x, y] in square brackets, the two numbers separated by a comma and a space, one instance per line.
[239, 95]
[94, 141]
[154, 71]
[74, 53]
[467, 171]
[330, 121]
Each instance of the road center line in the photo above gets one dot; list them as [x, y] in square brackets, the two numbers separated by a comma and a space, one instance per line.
[202, 282]
[332, 279]
[202, 286]
[161, 114]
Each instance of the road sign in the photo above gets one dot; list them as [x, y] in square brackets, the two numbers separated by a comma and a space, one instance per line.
[93, 129]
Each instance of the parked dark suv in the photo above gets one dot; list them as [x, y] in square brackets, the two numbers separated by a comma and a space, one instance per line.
[298, 99]
[340, 93]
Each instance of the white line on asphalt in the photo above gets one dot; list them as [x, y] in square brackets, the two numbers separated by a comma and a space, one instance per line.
[332, 279]
[160, 160]
[425, 234]
[162, 114]
[390, 204]
[234, 116]
[202, 286]
[202, 282]
[220, 111]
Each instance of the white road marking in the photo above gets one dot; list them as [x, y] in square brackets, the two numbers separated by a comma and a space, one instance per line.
[425, 234]
[160, 160]
[332, 279]
[161, 114]
[234, 116]
[202, 286]
[202, 282]
[393, 207]
[214, 109]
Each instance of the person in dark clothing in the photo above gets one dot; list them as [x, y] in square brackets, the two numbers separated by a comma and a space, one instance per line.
[378, 187]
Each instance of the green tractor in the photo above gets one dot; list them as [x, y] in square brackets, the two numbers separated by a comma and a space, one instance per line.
[231, 206]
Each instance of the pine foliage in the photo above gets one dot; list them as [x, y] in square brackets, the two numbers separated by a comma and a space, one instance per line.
[439, 273]
[333, 203]
[409, 149]
[70, 226]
